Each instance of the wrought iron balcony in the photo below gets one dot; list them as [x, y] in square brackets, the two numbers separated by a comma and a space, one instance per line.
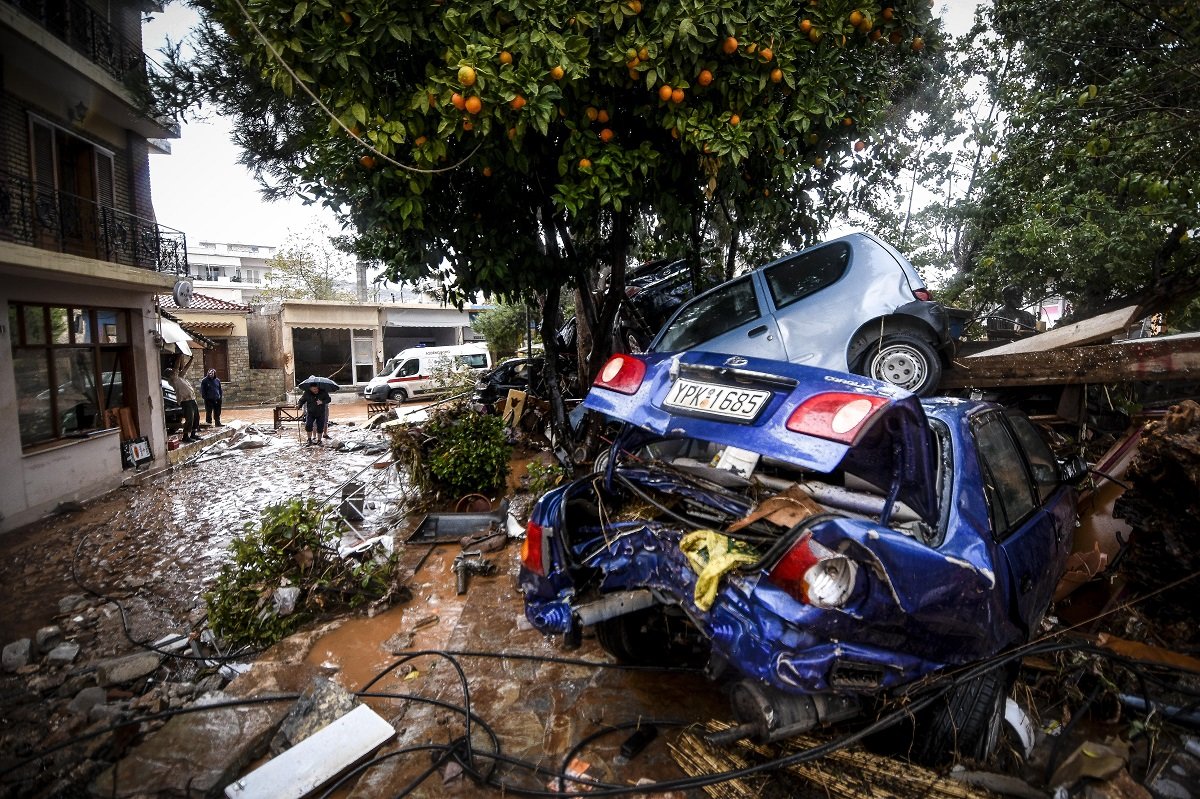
[41, 217]
[84, 30]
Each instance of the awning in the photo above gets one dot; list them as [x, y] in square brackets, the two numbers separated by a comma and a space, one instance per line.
[433, 317]
[174, 334]
[193, 334]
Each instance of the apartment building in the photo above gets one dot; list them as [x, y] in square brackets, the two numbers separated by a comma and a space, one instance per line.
[232, 272]
[81, 253]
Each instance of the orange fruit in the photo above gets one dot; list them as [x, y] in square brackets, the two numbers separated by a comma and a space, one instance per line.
[814, 35]
[664, 92]
[818, 162]
[776, 75]
[750, 48]
[346, 18]
[734, 119]
[606, 135]
[677, 96]
[635, 6]
[367, 161]
[432, 100]
[847, 121]
[643, 54]
[856, 18]
[458, 101]
[805, 25]
[505, 57]
[487, 171]
[766, 54]
[730, 46]
[918, 44]
[517, 103]
[674, 133]
[631, 54]
[876, 35]
[602, 116]
[859, 146]
[895, 37]
[632, 65]
[466, 76]
[812, 138]
[889, 13]
[633, 74]
[557, 73]
[705, 77]
[474, 105]
[512, 133]
[865, 25]
[585, 164]
[419, 141]
[591, 113]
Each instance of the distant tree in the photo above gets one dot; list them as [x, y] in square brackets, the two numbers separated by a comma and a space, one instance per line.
[503, 326]
[309, 267]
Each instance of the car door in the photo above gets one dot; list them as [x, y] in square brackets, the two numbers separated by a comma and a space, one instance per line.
[1027, 535]
[814, 324]
[732, 318]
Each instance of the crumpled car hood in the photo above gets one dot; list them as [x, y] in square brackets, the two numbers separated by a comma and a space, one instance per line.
[897, 446]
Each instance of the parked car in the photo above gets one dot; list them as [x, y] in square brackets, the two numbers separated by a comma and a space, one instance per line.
[853, 304]
[491, 388]
[171, 407]
[873, 538]
[653, 291]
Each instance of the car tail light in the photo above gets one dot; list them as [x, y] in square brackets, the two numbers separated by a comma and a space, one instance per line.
[623, 373]
[836, 416]
[533, 548]
[815, 574]
[925, 295]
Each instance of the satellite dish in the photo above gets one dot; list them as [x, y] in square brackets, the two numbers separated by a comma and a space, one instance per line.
[182, 293]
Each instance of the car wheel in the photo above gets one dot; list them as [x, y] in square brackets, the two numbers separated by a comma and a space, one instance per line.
[964, 722]
[906, 360]
[398, 395]
[650, 637]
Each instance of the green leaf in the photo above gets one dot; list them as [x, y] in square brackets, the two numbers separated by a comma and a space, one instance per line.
[359, 112]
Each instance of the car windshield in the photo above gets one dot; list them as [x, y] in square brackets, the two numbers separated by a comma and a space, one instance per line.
[711, 315]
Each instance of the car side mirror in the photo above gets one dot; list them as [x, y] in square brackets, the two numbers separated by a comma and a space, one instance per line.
[1074, 469]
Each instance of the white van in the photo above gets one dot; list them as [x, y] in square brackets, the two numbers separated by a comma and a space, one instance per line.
[409, 373]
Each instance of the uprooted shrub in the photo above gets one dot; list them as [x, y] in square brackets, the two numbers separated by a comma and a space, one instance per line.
[456, 452]
[292, 547]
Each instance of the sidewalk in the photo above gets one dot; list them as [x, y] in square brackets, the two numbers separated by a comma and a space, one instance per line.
[355, 411]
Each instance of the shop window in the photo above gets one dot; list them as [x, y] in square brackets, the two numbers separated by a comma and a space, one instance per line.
[71, 367]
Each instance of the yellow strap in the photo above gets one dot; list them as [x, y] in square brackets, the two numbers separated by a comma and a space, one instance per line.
[712, 555]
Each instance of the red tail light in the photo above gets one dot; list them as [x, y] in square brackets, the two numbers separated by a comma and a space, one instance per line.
[532, 549]
[623, 373]
[836, 416]
[924, 295]
[815, 575]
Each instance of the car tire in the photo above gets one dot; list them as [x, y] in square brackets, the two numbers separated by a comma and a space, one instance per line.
[398, 395]
[650, 637]
[965, 722]
[906, 360]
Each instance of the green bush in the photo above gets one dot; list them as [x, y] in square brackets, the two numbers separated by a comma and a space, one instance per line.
[294, 543]
[469, 452]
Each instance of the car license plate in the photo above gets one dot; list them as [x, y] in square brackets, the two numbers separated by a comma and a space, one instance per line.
[728, 401]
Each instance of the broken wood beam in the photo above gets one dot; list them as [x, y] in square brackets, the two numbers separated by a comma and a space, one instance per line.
[1076, 334]
[1161, 358]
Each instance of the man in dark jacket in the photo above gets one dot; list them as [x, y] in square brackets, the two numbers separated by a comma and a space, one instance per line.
[210, 391]
[315, 401]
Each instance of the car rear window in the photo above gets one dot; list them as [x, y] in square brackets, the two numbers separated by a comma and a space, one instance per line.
[710, 316]
[806, 273]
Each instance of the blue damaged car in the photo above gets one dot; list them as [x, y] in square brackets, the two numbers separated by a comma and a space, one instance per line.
[819, 537]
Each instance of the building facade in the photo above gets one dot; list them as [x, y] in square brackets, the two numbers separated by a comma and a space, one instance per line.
[81, 253]
[230, 271]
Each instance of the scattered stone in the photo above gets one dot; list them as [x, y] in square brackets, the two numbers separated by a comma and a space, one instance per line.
[322, 703]
[127, 669]
[213, 682]
[29, 668]
[107, 714]
[70, 603]
[398, 643]
[63, 654]
[44, 683]
[16, 654]
[48, 637]
[88, 698]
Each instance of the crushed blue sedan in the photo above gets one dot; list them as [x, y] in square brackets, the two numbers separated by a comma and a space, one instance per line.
[818, 537]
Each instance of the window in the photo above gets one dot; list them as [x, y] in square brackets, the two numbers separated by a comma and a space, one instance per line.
[1046, 475]
[409, 368]
[70, 367]
[798, 277]
[1006, 478]
[474, 361]
[211, 272]
[711, 315]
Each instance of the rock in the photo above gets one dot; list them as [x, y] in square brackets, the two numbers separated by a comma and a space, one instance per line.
[127, 669]
[48, 637]
[88, 698]
[44, 683]
[70, 603]
[322, 703]
[63, 654]
[107, 714]
[213, 682]
[16, 654]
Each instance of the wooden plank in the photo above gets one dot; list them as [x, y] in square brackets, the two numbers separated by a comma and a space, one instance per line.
[1086, 331]
[129, 430]
[1163, 358]
[317, 759]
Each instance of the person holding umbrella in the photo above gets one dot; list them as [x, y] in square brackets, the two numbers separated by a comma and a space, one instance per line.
[315, 401]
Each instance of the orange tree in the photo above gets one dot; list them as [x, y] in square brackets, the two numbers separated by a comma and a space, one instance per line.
[513, 146]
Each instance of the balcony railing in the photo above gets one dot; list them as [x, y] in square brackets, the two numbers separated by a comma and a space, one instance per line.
[54, 220]
[84, 30]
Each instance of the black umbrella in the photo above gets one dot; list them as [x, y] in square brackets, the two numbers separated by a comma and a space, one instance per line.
[323, 382]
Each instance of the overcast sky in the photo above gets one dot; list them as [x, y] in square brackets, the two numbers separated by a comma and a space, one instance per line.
[202, 190]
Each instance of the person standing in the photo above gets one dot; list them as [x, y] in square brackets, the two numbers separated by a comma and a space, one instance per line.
[210, 391]
[186, 396]
[315, 401]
